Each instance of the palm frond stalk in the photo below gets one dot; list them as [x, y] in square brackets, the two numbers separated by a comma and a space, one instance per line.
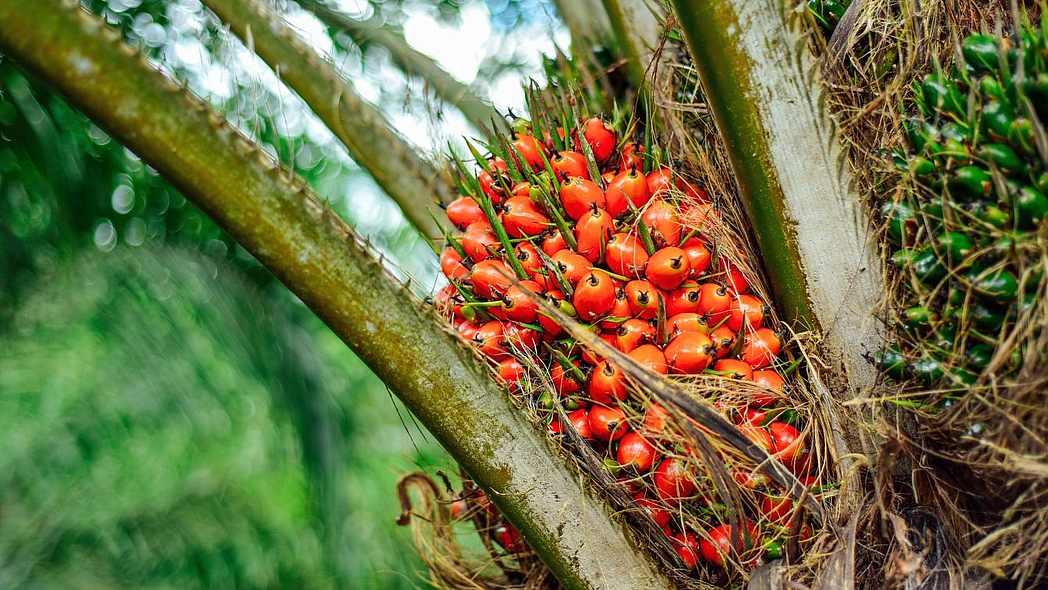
[759, 79]
[310, 249]
[478, 111]
[394, 164]
[637, 28]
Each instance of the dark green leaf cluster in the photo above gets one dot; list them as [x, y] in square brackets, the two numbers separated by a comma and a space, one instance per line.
[967, 227]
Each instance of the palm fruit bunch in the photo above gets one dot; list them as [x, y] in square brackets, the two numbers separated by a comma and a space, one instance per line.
[570, 212]
[966, 224]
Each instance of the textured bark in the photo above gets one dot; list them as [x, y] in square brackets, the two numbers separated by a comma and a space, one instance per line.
[760, 82]
[272, 213]
[637, 28]
[414, 184]
[477, 110]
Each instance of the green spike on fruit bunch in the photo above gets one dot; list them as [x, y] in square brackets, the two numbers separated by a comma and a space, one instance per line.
[967, 228]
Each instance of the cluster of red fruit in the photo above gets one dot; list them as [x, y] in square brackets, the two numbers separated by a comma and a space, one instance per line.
[577, 221]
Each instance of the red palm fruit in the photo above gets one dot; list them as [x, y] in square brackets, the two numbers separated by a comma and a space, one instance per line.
[556, 299]
[628, 186]
[607, 384]
[753, 480]
[620, 312]
[625, 255]
[530, 149]
[521, 189]
[510, 372]
[663, 223]
[490, 279]
[521, 337]
[673, 481]
[458, 507]
[522, 219]
[632, 333]
[654, 420]
[467, 329]
[660, 181]
[653, 509]
[607, 423]
[592, 232]
[745, 306]
[787, 441]
[649, 356]
[487, 182]
[571, 265]
[607, 177]
[698, 256]
[464, 211]
[771, 380]
[688, 322]
[703, 216]
[758, 435]
[751, 415]
[449, 301]
[509, 538]
[562, 380]
[580, 420]
[594, 296]
[635, 452]
[667, 268]
[517, 305]
[723, 339]
[553, 242]
[801, 463]
[601, 139]
[718, 545]
[478, 241]
[714, 301]
[491, 341]
[567, 164]
[688, 548]
[579, 195]
[593, 358]
[734, 369]
[530, 259]
[451, 264]
[776, 509]
[632, 156]
[734, 278]
[683, 299]
[643, 298]
[761, 347]
[689, 353]
[695, 193]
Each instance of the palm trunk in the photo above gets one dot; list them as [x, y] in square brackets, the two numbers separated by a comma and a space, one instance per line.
[310, 249]
[761, 86]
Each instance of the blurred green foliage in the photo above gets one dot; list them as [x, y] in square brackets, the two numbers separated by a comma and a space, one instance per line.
[170, 416]
[164, 425]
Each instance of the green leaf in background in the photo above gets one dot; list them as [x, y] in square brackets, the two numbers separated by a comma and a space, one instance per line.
[163, 424]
